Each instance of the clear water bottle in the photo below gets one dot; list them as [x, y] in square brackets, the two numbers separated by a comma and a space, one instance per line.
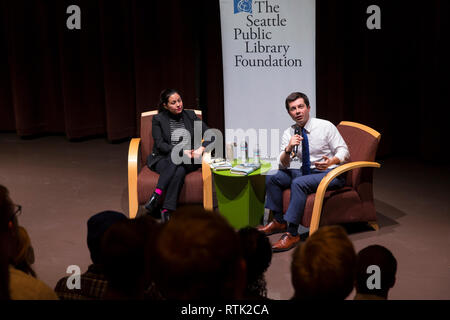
[230, 152]
[244, 152]
[256, 155]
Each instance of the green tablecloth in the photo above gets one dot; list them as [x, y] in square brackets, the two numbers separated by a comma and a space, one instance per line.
[241, 198]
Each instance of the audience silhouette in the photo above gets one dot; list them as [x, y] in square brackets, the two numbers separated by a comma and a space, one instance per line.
[196, 255]
[199, 257]
[24, 255]
[5, 216]
[93, 282]
[382, 258]
[323, 266]
[21, 285]
[257, 252]
[127, 257]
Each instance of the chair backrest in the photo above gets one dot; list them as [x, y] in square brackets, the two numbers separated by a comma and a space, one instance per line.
[146, 133]
[362, 142]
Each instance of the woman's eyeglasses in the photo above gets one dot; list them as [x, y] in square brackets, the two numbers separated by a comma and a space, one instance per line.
[18, 210]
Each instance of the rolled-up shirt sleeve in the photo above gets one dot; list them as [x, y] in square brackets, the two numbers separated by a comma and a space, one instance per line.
[284, 143]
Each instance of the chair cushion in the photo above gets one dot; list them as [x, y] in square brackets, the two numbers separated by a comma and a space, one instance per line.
[333, 212]
[192, 191]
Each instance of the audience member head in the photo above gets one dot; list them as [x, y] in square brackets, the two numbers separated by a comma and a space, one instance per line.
[23, 258]
[124, 256]
[198, 256]
[96, 227]
[381, 257]
[7, 211]
[257, 253]
[323, 266]
[4, 274]
[8, 237]
[6, 214]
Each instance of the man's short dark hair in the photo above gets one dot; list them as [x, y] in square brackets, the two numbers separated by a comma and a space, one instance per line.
[385, 260]
[97, 226]
[294, 96]
[124, 246]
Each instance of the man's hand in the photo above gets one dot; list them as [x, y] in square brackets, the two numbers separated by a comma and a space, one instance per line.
[326, 162]
[295, 141]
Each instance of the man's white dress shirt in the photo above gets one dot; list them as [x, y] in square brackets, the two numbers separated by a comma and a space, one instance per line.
[324, 140]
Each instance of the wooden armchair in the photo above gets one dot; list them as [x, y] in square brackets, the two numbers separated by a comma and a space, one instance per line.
[354, 202]
[142, 181]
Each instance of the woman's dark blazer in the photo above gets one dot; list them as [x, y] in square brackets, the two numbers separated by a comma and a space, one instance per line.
[161, 134]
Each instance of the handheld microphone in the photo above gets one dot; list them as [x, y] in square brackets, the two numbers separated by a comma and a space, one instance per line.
[297, 131]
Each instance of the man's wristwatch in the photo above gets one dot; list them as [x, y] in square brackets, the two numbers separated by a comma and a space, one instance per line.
[287, 152]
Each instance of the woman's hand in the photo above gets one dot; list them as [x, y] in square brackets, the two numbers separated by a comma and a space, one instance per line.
[189, 153]
[198, 153]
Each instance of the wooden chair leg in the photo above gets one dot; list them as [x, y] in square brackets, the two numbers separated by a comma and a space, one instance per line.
[133, 153]
[208, 202]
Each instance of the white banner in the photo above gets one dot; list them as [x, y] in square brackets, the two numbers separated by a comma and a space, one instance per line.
[268, 52]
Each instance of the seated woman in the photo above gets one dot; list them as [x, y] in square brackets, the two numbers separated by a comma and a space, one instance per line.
[171, 144]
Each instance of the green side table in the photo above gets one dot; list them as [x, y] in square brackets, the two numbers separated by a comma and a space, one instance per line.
[241, 198]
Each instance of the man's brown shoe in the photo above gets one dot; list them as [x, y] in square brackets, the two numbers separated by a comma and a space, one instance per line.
[286, 242]
[273, 227]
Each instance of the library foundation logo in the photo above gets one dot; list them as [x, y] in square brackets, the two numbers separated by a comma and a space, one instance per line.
[242, 6]
[259, 35]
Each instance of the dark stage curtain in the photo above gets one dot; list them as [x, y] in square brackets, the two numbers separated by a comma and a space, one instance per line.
[395, 80]
[97, 80]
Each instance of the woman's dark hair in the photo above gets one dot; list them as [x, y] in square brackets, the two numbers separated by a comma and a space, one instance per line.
[164, 97]
[294, 96]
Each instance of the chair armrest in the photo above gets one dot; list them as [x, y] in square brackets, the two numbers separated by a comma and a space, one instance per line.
[322, 188]
[133, 156]
[207, 182]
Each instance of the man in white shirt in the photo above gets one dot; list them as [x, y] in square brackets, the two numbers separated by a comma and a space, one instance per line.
[310, 149]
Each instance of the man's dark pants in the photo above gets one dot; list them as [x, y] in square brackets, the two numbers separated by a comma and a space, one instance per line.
[300, 186]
